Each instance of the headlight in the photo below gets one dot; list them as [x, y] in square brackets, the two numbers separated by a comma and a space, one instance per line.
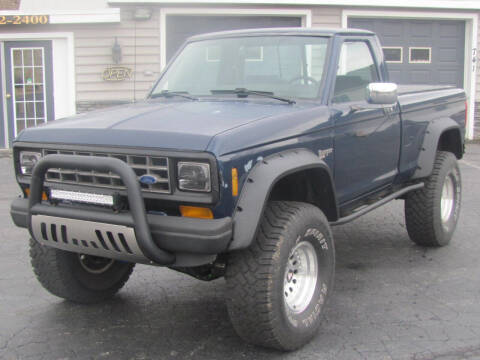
[194, 176]
[28, 159]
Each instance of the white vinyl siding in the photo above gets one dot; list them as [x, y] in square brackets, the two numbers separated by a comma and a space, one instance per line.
[93, 54]
[326, 17]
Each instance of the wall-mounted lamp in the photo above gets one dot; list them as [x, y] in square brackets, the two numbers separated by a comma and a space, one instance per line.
[142, 14]
[116, 52]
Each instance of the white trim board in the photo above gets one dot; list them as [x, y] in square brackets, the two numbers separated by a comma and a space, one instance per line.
[63, 56]
[4, 100]
[471, 42]
[426, 4]
[304, 14]
[111, 15]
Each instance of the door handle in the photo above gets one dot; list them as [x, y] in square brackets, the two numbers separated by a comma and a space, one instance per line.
[8, 95]
[362, 133]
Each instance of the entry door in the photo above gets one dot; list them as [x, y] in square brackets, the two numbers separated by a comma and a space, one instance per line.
[29, 84]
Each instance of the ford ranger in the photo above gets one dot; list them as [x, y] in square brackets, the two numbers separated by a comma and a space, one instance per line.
[248, 149]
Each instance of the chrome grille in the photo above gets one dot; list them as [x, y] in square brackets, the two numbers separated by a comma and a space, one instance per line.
[156, 166]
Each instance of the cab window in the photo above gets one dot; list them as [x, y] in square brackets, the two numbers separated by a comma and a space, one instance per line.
[356, 69]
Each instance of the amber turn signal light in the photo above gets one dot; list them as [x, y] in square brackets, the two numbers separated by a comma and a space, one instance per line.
[196, 212]
[44, 194]
[234, 182]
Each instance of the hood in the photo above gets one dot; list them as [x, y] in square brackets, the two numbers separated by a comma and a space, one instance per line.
[163, 124]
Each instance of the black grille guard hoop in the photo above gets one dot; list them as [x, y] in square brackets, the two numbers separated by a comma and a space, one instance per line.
[135, 199]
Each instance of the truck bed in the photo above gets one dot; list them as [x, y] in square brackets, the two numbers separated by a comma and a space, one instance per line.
[416, 88]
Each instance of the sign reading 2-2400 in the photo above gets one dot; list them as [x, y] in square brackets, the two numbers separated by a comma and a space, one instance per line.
[24, 19]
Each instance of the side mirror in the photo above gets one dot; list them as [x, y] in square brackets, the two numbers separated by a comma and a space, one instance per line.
[382, 93]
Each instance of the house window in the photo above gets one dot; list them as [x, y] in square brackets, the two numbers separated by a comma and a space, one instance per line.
[393, 54]
[420, 55]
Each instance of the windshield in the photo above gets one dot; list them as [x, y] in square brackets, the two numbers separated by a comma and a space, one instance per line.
[287, 66]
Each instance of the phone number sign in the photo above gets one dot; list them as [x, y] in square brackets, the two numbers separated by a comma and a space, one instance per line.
[24, 20]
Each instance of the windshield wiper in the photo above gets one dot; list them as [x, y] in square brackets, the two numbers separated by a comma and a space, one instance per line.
[243, 93]
[168, 93]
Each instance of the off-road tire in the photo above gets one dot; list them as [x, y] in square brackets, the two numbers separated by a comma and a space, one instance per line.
[423, 210]
[255, 277]
[61, 273]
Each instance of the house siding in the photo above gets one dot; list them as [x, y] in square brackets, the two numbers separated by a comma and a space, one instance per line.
[329, 17]
[140, 44]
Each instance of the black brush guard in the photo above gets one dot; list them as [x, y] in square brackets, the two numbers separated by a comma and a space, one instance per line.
[136, 217]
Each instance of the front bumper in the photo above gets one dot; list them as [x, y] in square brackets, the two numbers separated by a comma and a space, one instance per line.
[133, 236]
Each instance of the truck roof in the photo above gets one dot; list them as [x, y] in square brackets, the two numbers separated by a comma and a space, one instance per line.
[282, 31]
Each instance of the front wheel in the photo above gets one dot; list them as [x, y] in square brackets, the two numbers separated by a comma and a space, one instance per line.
[431, 213]
[77, 277]
[277, 288]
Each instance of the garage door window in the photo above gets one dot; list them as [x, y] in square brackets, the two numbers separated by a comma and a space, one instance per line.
[393, 54]
[420, 55]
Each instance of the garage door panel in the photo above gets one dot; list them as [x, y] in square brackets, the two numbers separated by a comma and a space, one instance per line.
[366, 25]
[445, 38]
[420, 77]
[395, 30]
[448, 56]
[395, 75]
[449, 30]
[420, 30]
[180, 27]
[447, 77]
[393, 40]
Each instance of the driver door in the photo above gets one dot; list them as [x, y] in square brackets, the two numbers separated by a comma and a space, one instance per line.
[367, 141]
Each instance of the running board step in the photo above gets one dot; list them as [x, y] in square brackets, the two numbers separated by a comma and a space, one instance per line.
[377, 204]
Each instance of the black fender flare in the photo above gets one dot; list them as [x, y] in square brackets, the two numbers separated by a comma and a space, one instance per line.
[428, 151]
[259, 183]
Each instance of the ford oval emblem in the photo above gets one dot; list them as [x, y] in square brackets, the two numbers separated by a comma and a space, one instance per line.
[148, 179]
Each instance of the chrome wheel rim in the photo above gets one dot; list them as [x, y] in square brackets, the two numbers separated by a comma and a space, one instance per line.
[95, 264]
[448, 199]
[301, 276]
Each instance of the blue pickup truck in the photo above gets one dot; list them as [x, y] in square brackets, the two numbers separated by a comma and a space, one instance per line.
[248, 149]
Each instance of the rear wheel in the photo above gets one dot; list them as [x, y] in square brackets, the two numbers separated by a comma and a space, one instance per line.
[277, 288]
[78, 277]
[431, 213]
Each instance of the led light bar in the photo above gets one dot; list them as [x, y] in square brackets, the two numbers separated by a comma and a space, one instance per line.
[97, 199]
